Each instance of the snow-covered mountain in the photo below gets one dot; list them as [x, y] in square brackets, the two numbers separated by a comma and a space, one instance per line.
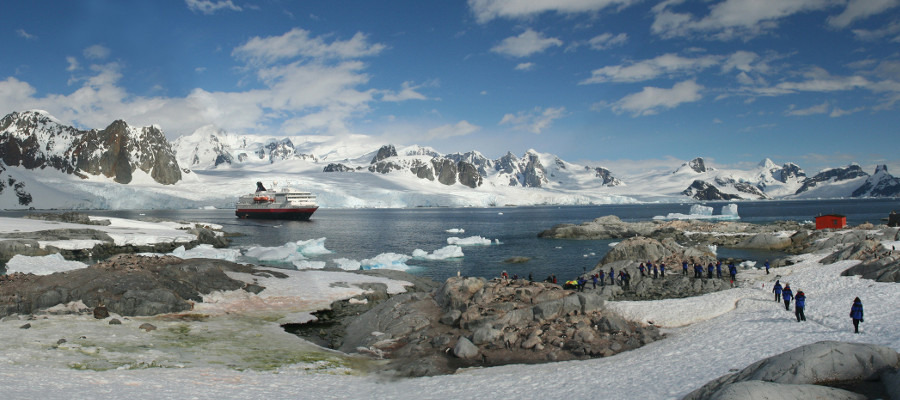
[49, 165]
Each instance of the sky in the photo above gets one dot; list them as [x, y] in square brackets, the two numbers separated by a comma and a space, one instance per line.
[628, 82]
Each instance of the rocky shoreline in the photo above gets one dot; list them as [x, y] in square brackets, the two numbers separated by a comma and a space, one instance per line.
[437, 328]
[29, 243]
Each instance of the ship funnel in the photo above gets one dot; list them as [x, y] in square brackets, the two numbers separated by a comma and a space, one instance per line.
[260, 187]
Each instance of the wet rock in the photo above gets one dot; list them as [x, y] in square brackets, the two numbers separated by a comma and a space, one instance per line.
[115, 321]
[146, 326]
[101, 312]
[26, 326]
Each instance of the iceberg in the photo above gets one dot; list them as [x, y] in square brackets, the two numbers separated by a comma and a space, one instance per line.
[446, 252]
[206, 251]
[386, 261]
[289, 252]
[729, 212]
[472, 241]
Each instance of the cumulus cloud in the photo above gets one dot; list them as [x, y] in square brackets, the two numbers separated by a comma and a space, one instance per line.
[461, 128]
[524, 66]
[314, 86]
[408, 91]
[73, 64]
[487, 10]
[666, 64]
[730, 18]
[802, 112]
[837, 112]
[298, 43]
[526, 44]
[25, 35]
[209, 7]
[860, 9]
[891, 29]
[96, 52]
[607, 40]
[534, 121]
[650, 100]
[819, 80]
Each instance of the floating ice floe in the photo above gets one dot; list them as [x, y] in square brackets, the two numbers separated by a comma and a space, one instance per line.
[472, 241]
[455, 230]
[42, 265]
[289, 252]
[451, 251]
[206, 251]
[347, 264]
[386, 261]
[698, 211]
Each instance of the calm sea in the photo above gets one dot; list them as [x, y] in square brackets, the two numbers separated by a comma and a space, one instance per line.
[366, 233]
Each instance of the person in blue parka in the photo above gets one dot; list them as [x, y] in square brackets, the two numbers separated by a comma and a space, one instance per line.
[777, 290]
[856, 312]
[800, 305]
[787, 294]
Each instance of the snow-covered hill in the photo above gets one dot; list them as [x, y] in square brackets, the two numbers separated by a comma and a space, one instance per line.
[49, 165]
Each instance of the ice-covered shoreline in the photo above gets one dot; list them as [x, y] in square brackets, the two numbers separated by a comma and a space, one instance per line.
[708, 336]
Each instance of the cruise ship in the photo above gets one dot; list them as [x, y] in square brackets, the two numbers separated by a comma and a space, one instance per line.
[272, 204]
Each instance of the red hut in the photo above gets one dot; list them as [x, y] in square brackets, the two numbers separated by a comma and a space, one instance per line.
[831, 221]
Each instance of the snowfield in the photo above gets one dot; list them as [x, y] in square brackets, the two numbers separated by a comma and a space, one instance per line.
[219, 357]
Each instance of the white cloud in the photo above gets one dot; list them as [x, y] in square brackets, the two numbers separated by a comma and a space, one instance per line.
[209, 7]
[813, 110]
[607, 40]
[525, 66]
[298, 43]
[860, 9]
[408, 92]
[740, 60]
[96, 52]
[666, 64]
[534, 121]
[73, 64]
[25, 35]
[731, 18]
[890, 29]
[819, 80]
[487, 10]
[526, 44]
[310, 95]
[837, 112]
[461, 128]
[651, 99]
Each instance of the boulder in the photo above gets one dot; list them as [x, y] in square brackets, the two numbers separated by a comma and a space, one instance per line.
[776, 391]
[465, 349]
[817, 363]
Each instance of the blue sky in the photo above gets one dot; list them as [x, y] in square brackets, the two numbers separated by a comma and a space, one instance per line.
[631, 83]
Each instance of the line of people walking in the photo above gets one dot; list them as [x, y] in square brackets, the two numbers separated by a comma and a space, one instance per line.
[786, 294]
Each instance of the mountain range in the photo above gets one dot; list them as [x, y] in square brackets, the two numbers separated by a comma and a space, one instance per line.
[47, 164]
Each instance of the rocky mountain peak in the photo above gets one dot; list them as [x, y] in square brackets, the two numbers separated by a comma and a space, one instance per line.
[697, 165]
[385, 151]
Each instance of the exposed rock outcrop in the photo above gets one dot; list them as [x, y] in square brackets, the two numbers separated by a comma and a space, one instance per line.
[127, 285]
[475, 322]
[789, 375]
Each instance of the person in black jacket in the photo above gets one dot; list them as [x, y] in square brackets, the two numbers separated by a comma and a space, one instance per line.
[799, 305]
[856, 312]
[787, 294]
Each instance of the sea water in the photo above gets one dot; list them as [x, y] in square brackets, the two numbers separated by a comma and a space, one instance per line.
[361, 234]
